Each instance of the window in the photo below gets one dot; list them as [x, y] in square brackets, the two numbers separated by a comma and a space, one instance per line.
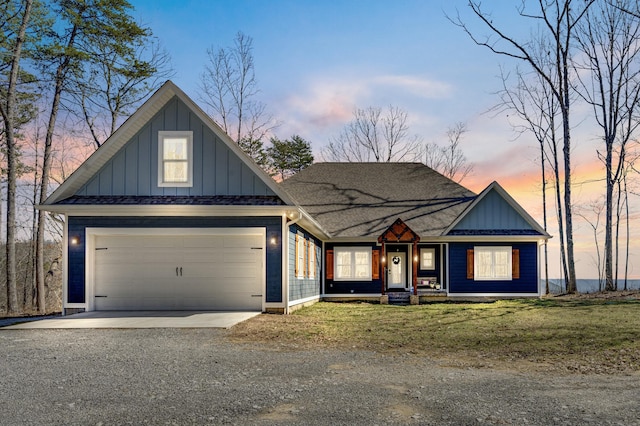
[300, 256]
[352, 264]
[492, 263]
[311, 264]
[175, 158]
[428, 258]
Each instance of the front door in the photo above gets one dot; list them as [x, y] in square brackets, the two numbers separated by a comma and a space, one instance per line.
[397, 270]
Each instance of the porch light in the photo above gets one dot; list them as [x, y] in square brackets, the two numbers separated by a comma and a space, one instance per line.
[273, 241]
[75, 240]
[384, 259]
[415, 258]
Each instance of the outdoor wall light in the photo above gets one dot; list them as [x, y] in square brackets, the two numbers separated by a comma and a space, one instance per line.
[384, 259]
[273, 241]
[75, 240]
[415, 258]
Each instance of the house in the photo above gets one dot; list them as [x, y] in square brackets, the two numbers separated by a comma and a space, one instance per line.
[169, 214]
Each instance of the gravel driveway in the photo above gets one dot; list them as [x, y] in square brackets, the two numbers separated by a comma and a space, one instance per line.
[197, 376]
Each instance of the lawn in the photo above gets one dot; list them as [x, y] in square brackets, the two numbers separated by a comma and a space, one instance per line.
[601, 336]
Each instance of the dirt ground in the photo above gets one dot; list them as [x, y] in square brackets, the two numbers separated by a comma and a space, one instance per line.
[601, 295]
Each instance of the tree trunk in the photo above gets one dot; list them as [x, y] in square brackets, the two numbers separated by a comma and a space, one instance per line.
[46, 168]
[566, 150]
[8, 113]
[544, 217]
[608, 240]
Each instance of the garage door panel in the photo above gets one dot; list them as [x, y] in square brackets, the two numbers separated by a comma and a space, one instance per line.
[214, 272]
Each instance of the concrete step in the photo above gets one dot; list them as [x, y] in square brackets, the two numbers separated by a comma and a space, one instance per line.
[399, 298]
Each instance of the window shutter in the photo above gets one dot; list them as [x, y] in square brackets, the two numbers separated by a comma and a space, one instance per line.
[375, 265]
[305, 260]
[297, 268]
[515, 264]
[329, 264]
[315, 260]
[469, 264]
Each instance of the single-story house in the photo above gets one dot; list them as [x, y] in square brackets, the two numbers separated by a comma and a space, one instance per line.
[170, 214]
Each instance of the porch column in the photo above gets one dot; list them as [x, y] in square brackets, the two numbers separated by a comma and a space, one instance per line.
[415, 261]
[383, 262]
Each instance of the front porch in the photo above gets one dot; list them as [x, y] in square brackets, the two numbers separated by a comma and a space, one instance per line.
[409, 266]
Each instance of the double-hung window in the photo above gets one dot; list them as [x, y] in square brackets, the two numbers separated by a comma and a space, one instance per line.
[352, 264]
[175, 158]
[492, 263]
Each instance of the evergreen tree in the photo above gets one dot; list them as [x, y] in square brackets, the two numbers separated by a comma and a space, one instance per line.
[289, 156]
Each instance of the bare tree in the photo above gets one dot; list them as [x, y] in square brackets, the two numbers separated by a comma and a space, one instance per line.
[592, 214]
[375, 137]
[610, 82]
[557, 21]
[115, 81]
[229, 88]
[449, 160]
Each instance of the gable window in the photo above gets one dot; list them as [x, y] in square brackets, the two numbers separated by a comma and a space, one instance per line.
[352, 264]
[492, 263]
[175, 158]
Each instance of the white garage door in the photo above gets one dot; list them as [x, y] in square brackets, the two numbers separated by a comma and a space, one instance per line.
[179, 272]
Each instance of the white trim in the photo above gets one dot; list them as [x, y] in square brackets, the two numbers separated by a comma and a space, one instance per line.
[492, 294]
[92, 232]
[354, 295]
[305, 300]
[65, 263]
[285, 257]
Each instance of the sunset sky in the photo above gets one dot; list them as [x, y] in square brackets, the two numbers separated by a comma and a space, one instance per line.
[316, 61]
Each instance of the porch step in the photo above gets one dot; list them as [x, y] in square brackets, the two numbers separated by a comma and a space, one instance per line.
[399, 298]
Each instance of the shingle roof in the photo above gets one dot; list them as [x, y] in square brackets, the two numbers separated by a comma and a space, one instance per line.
[354, 200]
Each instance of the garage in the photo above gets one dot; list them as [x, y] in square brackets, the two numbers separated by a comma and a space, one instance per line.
[177, 269]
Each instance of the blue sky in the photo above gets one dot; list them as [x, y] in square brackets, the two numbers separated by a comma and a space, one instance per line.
[316, 61]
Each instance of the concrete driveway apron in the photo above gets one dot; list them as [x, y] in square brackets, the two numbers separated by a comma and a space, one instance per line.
[140, 319]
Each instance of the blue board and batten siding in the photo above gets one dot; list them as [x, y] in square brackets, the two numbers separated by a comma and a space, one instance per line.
[493, 213]
[76, 253]
[527, 283]
[307, 287]
[217, 170]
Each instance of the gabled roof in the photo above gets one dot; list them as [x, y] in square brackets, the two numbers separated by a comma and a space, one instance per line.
[133, 125]
[362, 200]
[526, 225]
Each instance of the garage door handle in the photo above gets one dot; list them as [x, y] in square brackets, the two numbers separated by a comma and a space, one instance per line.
[176, 271]
[181, 271]
[99, 296]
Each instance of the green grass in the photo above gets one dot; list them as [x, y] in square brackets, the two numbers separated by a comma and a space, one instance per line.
[583, 335]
